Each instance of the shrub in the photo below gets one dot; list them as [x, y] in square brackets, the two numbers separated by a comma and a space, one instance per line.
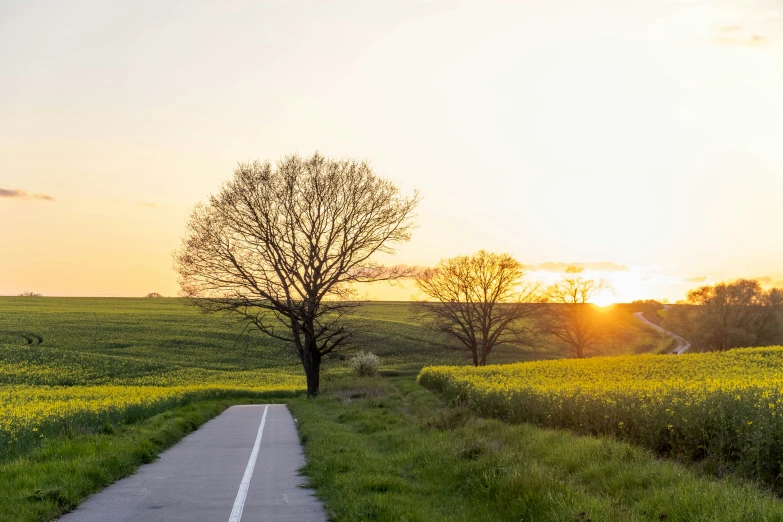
[365, 364]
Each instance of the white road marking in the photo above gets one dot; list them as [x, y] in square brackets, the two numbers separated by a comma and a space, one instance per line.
[239, 503]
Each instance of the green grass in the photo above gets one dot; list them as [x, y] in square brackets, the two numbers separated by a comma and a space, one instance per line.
[139, 344]
[720, 409]
[89, 341]
[388, 450]
[54, 478]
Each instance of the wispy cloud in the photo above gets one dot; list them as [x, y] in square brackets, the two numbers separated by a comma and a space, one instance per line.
[559, 266]
[23, 195]
[754, 40]
[738, 35]
[696, 279]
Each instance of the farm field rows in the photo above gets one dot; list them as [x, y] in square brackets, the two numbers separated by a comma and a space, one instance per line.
[112, 360]
[105, 362]
[724, 408]
[108, 366]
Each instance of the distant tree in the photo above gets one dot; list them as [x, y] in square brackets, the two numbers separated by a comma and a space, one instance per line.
[479, 300]
[153, 295]
[569, 314]
[729, 315]
[282, 248]
[29, 294]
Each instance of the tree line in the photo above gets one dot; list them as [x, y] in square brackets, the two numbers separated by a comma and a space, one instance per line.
[729, 315]
[482, 300]
[282, 247]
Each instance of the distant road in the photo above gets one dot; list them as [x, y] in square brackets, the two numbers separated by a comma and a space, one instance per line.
[682, 345]
[240, 466]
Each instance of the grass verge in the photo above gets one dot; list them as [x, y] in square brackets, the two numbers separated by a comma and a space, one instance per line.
[386, 449]
[53, 479]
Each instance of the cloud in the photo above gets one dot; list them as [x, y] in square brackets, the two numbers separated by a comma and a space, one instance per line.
[752, 40]
[147, 205]
[21, 194]
[737, 35]
[755, 40]
[696, 279]
[559, 266]
[764, 280]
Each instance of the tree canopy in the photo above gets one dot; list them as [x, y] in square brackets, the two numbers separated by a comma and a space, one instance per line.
[570, 316]
[282, 247]
[478, 300]
[729, 315]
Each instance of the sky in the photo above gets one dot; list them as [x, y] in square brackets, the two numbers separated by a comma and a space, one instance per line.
[640, 139]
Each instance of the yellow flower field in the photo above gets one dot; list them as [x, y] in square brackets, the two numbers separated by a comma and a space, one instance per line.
[725, 406]
[31, 413]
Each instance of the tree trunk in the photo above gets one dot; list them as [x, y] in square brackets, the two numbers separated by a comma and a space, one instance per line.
[313, 374]
[311, 360]
[483, 355]
[475, 357]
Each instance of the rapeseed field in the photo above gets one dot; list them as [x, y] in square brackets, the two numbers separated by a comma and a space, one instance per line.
[725, 408]
[79, 365]
[107, 362]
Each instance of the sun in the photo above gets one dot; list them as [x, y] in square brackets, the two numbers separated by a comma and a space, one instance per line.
[603, 300]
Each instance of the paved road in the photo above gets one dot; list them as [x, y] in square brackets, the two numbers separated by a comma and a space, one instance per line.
[682, 344]
[204, 477]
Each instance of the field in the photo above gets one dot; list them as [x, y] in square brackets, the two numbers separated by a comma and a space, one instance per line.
[119, 360]
[724, 409]
[105, 361]
[388, 450]
[90, 388]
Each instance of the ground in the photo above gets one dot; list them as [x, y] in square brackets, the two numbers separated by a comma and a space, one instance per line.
[81, 375]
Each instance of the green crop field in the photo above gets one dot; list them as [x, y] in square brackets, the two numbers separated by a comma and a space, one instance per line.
[70, 363]
[89, 373]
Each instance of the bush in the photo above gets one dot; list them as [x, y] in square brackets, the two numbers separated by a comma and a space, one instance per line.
[365, 364]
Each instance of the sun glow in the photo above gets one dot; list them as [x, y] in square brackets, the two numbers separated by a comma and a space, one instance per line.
[603, 300]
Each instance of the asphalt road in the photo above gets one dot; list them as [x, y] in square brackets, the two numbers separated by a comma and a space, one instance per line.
[682, 344]
[211, 475]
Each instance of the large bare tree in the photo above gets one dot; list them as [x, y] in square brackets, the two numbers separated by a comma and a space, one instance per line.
[569, 314]
[282, 247]
[480, 300]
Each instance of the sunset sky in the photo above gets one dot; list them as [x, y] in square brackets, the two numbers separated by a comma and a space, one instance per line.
[642, 139]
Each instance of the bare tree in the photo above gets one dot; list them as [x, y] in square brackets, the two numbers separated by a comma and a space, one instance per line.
[480, 300]
[153, 295]
[282, 247]
[569, 314]
[729, 315]
[29, 294]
